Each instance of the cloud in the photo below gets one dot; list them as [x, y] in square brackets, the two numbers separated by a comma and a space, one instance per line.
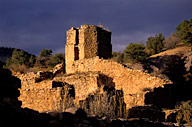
[120, 42]
[36, 24]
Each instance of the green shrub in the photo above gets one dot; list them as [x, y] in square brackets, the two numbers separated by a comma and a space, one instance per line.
[155, 44]
[171, 41]
[184, 31]
[134, 53]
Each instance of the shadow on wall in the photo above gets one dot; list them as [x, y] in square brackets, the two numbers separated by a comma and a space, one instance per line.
[10, 108]
[150, 112]
[107, 81]
[162, 97]
[173, 67]
[170, 65]
[9, 85]
[170, 95]
[109, 103]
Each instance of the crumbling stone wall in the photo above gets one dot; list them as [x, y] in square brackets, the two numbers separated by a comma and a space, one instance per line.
[86, 42]
[33, 80]
[85, 84]
[89, 77]
[42, 100]
[87, 74]
[50, 95]
[132, 82]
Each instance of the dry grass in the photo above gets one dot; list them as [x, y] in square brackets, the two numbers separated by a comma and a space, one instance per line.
[176, 51]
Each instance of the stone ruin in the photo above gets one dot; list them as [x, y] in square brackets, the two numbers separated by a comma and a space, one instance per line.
[89, 75]
[86, 42]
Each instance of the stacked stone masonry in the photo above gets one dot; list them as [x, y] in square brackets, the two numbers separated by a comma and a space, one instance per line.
[132, 82]
[87, 73]
[48, 95]
[86, 42]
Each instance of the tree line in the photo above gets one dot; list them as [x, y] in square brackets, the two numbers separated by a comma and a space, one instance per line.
[22, 61]
[133, 53]
[139, 52]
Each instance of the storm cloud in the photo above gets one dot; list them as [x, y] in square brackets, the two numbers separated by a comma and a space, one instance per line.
[36, 24]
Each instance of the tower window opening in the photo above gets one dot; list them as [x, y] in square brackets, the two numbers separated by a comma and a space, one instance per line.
[76, 53]
[77, 37]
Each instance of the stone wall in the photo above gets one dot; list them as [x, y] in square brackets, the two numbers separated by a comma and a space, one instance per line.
[42, 100]
[132, 82]
[29, 81]
[86, 42]
[87, 74]
[85, 84]
[89, 77]
[50, 95]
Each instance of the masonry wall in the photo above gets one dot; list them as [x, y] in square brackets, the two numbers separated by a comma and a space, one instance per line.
[49, 95]
[69, 48]
[85, 84]
[86, 42]
[90, 41]
[132, 82]
[42, 100]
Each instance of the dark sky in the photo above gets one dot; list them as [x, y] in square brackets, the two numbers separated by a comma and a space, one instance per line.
[36, 24]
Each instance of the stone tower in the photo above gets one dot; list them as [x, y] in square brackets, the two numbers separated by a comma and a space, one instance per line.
[88, 41]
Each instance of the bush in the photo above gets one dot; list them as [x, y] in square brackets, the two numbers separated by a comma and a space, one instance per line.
[184, 114]
[184, 31]
[155, 44]
[42, 62]
[18, 68]
[45, 53]
[117, 57]
[171, 41]
[56, 59]
[20, 61]
[134, 53]
[49, 61]
[188, 61]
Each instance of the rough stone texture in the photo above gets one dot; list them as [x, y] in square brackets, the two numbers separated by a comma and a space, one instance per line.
[86, 42]
[42, 100]
[85, 84]
[28, 81]
[132, 82]
[88, 74]
[48, 95]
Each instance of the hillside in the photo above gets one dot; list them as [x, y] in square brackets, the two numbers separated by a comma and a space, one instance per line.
[176, 51]
[7, 53]
[172, 63]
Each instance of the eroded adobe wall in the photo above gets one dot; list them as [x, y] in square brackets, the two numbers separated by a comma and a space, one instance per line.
[132, 82]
